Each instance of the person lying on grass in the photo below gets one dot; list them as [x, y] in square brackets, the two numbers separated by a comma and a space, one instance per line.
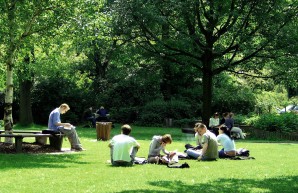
[123, 148]
[158, 144]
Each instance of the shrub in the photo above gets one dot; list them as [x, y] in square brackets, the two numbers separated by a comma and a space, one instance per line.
[154, 113]
[287, 122]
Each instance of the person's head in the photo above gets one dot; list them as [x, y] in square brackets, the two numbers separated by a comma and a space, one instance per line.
[167, 138]
[125, 129]
[224, 130]
[102, 107]
[216, 115]
[200, 128]
[226, 115]
[231, 114]
[64, 108]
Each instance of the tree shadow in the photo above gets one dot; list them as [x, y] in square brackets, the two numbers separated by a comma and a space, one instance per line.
[274, 185]
[31, 161]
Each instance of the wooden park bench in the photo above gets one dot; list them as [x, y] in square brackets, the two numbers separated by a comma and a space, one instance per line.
[56, 138]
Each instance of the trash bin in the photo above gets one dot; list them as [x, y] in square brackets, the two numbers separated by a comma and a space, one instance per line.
[103, 130]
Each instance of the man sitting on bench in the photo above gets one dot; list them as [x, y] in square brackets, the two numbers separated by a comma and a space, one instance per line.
[66, 128]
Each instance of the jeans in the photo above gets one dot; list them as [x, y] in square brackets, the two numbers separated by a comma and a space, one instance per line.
[193, 153]
[72, 137]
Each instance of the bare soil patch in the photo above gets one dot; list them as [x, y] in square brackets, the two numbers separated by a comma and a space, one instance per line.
[27, 148]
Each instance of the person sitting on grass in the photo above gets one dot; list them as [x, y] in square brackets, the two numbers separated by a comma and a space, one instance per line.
[198, 139]
[158, 144]
[214, 123]
[123, 148]
[68, 129]
[229, 148]
[209, 151]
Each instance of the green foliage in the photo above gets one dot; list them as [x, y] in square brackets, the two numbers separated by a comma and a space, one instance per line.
[286, 122]
[51, 93]
[124, 114]
[155, 112]
[268, 101]
[232, 95]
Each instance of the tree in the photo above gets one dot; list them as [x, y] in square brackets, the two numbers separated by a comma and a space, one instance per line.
[212, 36]
[23, 19]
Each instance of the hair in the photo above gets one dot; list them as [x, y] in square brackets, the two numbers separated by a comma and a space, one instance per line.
[200, 126]
[64, 106]
[231, 114]
[225, 114]
[226, 131]
[215, 114]
[126, 129]
[167, 138]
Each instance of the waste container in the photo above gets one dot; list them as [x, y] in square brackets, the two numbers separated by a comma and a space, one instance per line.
[103, 130]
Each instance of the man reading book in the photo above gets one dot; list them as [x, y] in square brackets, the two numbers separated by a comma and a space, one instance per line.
[68, 129]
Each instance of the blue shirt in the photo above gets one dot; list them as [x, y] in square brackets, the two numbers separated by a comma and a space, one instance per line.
[54, 118]
[227, 143]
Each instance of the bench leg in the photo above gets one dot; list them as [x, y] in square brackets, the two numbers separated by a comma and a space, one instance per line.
[18, 144]
[56, 142]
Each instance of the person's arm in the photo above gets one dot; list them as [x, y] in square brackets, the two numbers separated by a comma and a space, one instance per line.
[137, 145]
[110, 145]
[57, 122]
[163, 145]
[205, 146]
[204, 149]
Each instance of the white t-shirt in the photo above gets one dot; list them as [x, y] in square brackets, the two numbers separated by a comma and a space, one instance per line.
[122, 147]
[227, 143]
[213, 122]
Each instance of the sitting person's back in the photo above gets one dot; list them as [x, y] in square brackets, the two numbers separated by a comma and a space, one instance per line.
[123, 148]
[229, 149]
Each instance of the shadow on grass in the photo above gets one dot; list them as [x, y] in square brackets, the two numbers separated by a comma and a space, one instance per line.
[280, 184]
[31, 161]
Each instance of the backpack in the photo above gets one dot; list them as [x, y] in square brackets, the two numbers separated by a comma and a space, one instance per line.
[176, 165]
[242, 152]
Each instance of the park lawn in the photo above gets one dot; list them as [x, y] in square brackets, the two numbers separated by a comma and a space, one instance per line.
[273, 170]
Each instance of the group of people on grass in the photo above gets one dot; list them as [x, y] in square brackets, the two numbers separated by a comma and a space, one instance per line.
[227, 120]
[124, 147]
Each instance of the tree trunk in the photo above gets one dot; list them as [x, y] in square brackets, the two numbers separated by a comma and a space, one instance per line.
[8, 120]
[207, 87]
[207, 97]
[26, 117]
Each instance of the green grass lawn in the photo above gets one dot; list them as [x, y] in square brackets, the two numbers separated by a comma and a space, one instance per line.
[274, 169]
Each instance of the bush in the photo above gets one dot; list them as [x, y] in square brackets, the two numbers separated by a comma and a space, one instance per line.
[124, 114]
[154, 113]
[287, 122]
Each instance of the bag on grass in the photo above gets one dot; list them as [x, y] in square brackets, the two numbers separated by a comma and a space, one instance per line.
[242, 152]
[140, 160]
[176, 165]
[240, 158]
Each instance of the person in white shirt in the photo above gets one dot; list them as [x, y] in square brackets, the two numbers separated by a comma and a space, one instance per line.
[229, 148]
[123, 148]
[214, 123]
